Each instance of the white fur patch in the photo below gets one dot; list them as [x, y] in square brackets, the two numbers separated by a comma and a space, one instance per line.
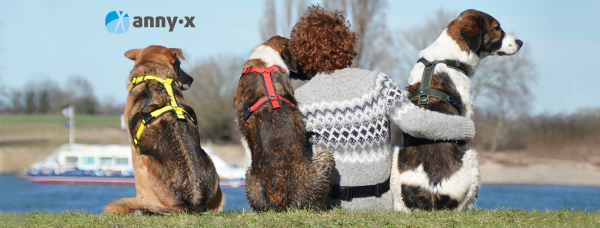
[509, 45]
[462, 185]
[269, 56]
[247, 151]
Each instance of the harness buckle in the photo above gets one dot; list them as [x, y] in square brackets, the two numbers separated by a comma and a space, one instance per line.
[147, 118]
[346, 193]
[423, 97]
[247, 114]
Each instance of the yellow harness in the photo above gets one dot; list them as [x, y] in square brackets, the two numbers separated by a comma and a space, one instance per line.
[157, 113]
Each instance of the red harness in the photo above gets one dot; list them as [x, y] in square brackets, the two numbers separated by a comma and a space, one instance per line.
[272, 96]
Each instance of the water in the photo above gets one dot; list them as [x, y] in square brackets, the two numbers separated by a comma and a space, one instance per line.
[22, 196]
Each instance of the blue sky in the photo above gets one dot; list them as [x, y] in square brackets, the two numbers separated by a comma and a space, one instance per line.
[56, 39]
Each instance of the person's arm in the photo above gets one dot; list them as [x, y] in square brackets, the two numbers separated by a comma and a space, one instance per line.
[422, 123]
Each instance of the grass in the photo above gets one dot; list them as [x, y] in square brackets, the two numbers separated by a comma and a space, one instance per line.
[33, 123]
[300, 218]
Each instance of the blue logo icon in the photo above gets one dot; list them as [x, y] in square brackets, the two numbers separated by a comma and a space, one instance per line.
[117, 22]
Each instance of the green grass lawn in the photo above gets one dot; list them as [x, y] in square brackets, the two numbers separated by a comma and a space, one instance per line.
[58, 120]
[299, 218]
[36, 128]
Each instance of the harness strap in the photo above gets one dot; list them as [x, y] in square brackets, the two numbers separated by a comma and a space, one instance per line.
[348, 193]
[425, 91]
[272, 95]
[147, 119]
[266, 73]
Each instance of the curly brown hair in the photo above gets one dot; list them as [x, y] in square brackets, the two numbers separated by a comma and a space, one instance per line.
[322, 41]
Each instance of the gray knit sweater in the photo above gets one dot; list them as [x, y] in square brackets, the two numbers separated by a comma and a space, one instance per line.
[349, 111]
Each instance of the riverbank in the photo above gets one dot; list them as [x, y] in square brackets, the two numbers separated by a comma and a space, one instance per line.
[300, 218]
[496, 168]
[541, 172]
[26, 139]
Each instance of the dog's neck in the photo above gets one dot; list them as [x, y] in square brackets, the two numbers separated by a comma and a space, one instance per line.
[269, 56]
[446, 48]
[153, 69]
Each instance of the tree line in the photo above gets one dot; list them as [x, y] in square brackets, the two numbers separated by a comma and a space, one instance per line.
[47, 96]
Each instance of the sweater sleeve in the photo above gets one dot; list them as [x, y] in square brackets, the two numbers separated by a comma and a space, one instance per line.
[423, 123]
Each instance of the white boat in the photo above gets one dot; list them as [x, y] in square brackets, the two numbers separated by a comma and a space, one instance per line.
[108, 164]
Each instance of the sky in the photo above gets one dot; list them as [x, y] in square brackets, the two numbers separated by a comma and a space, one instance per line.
[41, 40]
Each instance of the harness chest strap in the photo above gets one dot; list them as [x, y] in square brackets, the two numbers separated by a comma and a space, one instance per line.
[271, 93]
[179, 111]
[425, 91]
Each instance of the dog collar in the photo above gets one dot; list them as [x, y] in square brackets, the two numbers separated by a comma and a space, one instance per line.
[425, 91]
[272, 94]
[172, 107]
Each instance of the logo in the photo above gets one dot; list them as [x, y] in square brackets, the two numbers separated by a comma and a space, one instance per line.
[117, 22]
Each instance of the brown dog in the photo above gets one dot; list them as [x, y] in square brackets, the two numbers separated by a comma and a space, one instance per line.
[173, 174]
[282, 174]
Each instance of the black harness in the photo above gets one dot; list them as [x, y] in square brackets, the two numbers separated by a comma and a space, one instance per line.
[425, 92]
[348, 193]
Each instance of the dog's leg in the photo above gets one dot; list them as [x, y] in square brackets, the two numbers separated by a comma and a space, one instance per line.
[322, 168]
[135, 205]
[471, 159]
[396, 183]
[217, 202]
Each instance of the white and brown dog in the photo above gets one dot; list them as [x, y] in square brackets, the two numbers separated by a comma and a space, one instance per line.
[429, 174]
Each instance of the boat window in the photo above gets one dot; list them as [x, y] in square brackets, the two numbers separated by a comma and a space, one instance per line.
[122, 161]
[71, 160]
[105, 161]
[88, 160]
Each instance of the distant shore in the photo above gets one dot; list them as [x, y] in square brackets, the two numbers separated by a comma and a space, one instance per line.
[496, 168]
[572, 173]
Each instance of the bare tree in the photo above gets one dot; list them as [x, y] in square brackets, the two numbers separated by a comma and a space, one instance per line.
[411, 41]
[368, 19]
[502, 82]
[211, 95]
[280, 22]
[81, 93]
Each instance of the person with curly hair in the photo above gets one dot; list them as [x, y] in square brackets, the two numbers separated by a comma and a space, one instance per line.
[348, 111]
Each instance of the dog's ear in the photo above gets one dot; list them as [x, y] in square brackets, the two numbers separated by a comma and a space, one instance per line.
[133, 53]
[295, 69]
[472, 30]
[176, 53]
[289, 62]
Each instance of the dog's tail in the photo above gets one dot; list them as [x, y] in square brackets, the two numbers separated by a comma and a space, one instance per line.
[322, 168]
[134, 205]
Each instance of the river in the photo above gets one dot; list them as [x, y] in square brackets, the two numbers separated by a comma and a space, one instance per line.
[21, 196]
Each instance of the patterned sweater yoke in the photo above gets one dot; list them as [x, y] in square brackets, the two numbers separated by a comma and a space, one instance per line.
[348, 112]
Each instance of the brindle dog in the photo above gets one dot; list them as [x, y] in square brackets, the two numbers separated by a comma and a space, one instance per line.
[173, 174]
[282, 173]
